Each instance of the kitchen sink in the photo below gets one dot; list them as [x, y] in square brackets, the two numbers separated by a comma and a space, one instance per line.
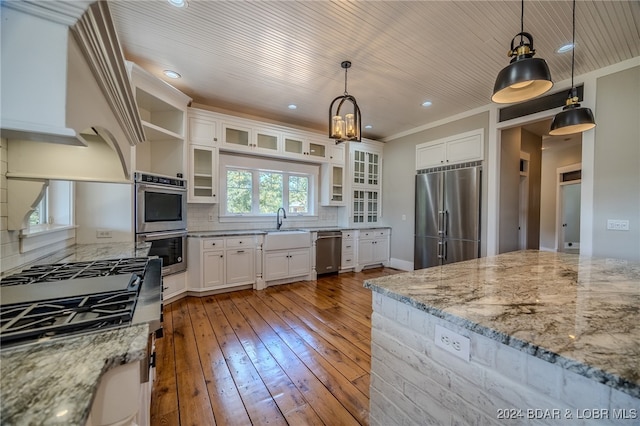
[286, 239]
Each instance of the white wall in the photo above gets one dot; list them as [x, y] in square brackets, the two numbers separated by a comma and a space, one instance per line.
[104, 206]
[616, 192]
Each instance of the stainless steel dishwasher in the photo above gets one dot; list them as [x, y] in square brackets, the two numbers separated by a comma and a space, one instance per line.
[328, 252]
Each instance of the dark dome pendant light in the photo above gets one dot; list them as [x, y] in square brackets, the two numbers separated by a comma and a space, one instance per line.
[525, 77]
[573, 118]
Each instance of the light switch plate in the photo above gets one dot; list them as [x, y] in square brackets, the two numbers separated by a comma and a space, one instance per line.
[455, 343]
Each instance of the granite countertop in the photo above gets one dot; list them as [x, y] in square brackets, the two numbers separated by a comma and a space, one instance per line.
[232, 232]
[580, 313]
[54, 382]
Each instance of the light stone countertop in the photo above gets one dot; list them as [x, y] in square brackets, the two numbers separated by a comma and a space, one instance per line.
[580, 313]
[239, 232]
[54, 382]
[39, 381]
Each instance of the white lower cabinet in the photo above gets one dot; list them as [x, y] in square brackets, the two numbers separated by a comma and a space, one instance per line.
[173, 286]
[373, 248]
[348, 252]
[221, 263]
[282, 264]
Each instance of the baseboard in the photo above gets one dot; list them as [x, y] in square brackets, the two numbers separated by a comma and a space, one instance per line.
[403, 265]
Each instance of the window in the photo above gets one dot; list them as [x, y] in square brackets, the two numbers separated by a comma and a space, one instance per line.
[39, 215]
[259, 187]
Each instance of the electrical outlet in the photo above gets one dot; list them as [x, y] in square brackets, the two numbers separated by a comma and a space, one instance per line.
[453, 342]
[617, 225]
[103, 233]
[210, 217]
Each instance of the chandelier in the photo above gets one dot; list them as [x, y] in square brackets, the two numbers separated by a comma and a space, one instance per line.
[349, 127]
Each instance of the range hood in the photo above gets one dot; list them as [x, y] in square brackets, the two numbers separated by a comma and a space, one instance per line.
[68, 110]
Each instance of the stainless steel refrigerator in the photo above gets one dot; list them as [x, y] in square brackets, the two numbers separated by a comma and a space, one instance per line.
[447, 227]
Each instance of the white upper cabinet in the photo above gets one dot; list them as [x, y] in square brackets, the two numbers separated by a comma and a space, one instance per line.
[303, 147]
[243, 137]
[203, 130]
[461, 148]
[163, 112]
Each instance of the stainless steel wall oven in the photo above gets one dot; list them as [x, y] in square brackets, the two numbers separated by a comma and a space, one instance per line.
[161, 218]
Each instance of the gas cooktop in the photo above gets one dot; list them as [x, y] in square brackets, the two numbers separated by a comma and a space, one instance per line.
[74, 270]
[65, 299]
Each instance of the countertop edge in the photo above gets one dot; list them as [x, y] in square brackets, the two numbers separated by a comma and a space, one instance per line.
[612, 380]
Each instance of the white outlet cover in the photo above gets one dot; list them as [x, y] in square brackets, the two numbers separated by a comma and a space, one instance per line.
[452, 342]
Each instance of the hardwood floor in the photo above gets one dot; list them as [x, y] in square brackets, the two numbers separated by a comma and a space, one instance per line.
[291, 354]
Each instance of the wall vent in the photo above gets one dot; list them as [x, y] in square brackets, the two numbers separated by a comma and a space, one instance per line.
[542, 103]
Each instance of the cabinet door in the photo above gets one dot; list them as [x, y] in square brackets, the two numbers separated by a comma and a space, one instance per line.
[237, 137]
[317, 150]
[332, 185]
[293, 145]
[240, 266]
[276, 265]
[203, 181]
[299, 262]
[365, 252]
[267, 141]
[336, 154]
[381, 250]
[468, 148]
[430, 155]
[213, 268]
[203, 131]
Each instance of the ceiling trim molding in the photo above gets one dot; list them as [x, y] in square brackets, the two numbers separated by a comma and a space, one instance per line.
[62, 12]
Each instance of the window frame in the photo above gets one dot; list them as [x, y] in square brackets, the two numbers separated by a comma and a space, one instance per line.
[256, 165]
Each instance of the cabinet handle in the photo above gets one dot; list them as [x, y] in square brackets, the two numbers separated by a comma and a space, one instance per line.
[215, 139]
[347, 246]
[240, 251]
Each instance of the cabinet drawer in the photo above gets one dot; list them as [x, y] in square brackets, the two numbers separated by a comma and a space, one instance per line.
[240, 242]
[347, 261]
[374, 233]
[212, 244]
[347, 235]
[347, 246]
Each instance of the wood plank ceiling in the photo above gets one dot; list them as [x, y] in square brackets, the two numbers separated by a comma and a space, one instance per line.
[256, 58]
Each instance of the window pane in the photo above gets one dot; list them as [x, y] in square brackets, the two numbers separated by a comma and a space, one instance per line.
[270, 192]
[238, 191]
[298, 194]
[39, 214]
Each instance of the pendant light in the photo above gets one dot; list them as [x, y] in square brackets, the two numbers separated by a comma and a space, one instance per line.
[573, 118]
[525, 77]
[347, 128]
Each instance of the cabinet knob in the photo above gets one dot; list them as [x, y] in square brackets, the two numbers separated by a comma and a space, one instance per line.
[221, 256]
[215, 139]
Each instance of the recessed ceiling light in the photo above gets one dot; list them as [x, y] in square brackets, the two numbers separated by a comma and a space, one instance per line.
[565, 48]
[426, 104]
[368, 126]
[171, 74]
[178, 3]
[292, 106]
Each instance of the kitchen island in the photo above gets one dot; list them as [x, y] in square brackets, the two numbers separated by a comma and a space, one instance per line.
[532, 338]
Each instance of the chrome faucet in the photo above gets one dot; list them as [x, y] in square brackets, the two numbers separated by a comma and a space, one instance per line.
[278, 219]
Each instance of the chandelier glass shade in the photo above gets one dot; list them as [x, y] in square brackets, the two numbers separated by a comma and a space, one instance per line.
[573, 118]
[525, 77]
[347, 127]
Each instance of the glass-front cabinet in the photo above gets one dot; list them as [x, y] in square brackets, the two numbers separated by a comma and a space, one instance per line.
[238, 137]
[366, 166]
[203, 166]
[301, 147]
[332, 184]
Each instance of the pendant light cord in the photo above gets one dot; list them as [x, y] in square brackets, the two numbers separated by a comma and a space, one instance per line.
[345, 81]
[573, 42]
[521, 21]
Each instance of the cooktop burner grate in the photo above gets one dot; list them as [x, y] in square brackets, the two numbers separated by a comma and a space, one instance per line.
[58, 317]
[73, 270]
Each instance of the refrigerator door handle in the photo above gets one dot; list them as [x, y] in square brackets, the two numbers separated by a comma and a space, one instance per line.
[444, 251]
[440, 244]
[441, 223]
[446, 223]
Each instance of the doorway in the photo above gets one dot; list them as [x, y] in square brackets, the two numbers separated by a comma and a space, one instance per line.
[568, 209]
[530, 194]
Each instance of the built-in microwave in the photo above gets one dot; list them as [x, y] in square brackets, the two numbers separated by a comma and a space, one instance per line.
[160, 203]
